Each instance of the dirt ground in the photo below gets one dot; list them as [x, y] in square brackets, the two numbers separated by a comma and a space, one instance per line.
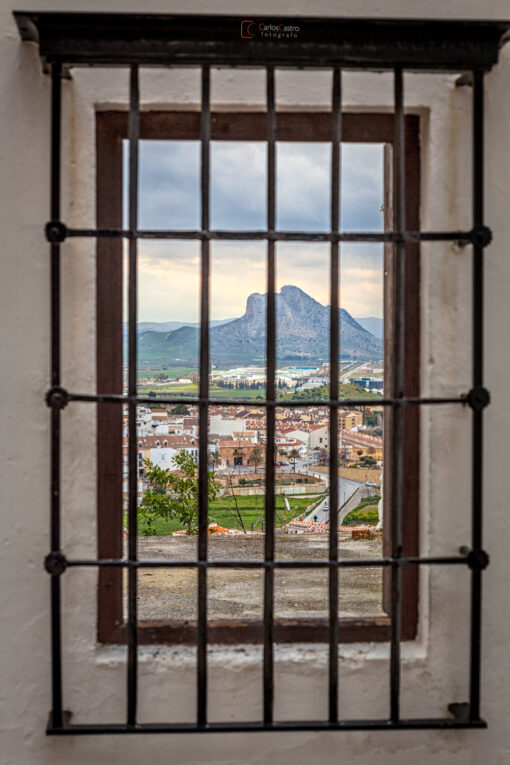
[238, 593]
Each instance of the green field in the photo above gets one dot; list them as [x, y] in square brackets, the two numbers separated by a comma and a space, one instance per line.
[346, 390]
[171, 372]
[251, 509]
[366, 513]
[321, 393]
[191, 391]
[241, 394]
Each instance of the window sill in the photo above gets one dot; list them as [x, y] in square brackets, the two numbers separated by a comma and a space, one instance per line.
[238, 632]
[243, 656]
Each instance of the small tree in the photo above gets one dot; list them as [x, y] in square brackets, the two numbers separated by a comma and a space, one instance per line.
[322, 457]
[255, 458]
[213, 460]
[174, 495]
[294, 455]
[180, 409]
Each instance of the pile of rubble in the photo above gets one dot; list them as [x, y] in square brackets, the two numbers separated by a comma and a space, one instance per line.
[212, 528]
[312, 527]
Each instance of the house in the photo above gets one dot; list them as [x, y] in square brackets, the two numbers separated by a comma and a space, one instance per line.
[224, 425]
[236, 452]
[161, 450]
[318, 437]
[348, 420]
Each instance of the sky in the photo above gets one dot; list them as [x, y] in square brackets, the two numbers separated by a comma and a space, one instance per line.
[169, 197]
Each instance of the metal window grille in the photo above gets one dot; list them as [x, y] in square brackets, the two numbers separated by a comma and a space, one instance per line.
[99, 39]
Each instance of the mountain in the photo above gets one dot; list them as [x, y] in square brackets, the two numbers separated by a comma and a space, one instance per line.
[168, 326]
[372, 324]
[302, 327]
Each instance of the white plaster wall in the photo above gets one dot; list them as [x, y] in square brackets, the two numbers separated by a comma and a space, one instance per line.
[94, 679]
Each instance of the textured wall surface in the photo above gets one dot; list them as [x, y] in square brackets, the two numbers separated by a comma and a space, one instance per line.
[435, 665]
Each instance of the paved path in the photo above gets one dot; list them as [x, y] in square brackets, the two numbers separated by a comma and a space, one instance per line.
[346, 490]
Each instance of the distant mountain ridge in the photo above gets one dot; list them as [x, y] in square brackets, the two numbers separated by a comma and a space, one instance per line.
[302, 327]
[169, 326]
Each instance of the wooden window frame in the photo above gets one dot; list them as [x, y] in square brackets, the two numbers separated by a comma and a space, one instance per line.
[111, 129]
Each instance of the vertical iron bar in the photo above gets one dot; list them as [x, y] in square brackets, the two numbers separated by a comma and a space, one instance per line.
[270, 396]
[203, 495]
[55, 172]
[398, 392]
[334, 337]
[133, 134]
[477, 457]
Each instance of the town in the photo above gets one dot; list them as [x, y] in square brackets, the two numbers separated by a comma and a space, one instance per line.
[237, 444]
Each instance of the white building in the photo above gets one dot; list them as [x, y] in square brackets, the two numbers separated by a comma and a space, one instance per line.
[164, 456]
[318, 437]
[221, 426]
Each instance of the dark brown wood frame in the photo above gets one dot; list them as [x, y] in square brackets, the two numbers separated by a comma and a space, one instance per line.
[111, 129]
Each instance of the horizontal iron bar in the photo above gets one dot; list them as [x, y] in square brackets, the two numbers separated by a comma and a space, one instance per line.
[448, 723]
[61, 397]
[180, 39]
[290, 564]
[277, 236]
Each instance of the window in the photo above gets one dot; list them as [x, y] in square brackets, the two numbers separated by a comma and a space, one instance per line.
[90, 39]
[294, 129]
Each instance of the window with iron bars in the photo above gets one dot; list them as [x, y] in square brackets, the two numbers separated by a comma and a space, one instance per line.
[77, 39]
[373, 128]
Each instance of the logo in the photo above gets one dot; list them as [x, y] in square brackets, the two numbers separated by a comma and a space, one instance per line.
[246, 27]
[259, 30]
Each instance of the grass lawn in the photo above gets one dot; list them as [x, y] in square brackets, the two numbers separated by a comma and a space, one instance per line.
[365, 513]
[251, 509]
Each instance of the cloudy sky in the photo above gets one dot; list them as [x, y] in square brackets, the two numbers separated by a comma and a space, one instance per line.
[169, 198]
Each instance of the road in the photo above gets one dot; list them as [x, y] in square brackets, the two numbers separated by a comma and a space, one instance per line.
[352, 371]
[346, 489]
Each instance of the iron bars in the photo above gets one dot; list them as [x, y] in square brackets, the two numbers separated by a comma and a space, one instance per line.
[398, 403]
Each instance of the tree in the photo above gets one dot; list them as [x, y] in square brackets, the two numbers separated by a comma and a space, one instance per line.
[174, 495]
[214, 460]
[322, 457]
[255, 458]
[180, 409]
[371, 419]
[294, 455]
